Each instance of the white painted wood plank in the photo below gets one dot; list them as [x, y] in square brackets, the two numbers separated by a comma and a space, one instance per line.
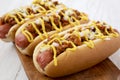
[21, 75]
[9, 61]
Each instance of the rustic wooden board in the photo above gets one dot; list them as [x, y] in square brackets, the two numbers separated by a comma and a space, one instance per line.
[105, 70]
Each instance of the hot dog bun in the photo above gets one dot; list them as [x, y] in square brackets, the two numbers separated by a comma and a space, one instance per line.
[83, 57]
[24, 14]
[11, 33]
[29, 49]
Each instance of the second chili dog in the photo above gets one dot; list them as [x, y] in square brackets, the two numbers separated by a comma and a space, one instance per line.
[11, 21]
[76, 49]
[33, 32]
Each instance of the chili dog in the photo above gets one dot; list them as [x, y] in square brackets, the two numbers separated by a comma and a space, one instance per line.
[30, 34]
[76, 49]
[11, 21]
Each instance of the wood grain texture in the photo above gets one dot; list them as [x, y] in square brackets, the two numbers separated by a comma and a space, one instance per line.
[102, 71]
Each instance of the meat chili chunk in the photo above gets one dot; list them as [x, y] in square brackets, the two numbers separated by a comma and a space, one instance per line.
[75, 39]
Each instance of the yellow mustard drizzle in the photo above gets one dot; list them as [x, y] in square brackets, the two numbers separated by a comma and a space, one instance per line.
[6, 17]
[43, 27]
[28, 14]
[35, 27]
[54, 35]
[41, 2]
[88, 42]
[28, 35]
[86, 32]
[114, 34]
[40, 10]
[53, 13]
[19, 14]
[60, 25]
[54, 50]
[107, 31]
[55, 55]
[16, 19]
[26, 11]
[76, 33]
[54, 25]
[72, 23]
[83, 17]
[74, 46]
[38, 1]
[58, 39]
[99, 35]
[77, 21]
[51, 6]
[41, 7]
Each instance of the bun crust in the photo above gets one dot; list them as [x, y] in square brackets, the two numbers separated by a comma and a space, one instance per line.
[82, 58]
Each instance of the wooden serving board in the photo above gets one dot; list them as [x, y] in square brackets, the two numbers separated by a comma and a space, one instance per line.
[105, 70]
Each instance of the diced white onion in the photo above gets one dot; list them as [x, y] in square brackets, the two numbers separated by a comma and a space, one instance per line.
[92, 27]
[69, 12]
[49, 3]
[37, 21]
[66, 18]
[24, 14]
[83, 28]
[59, 8]
[66, 35]
[55, 44]
[82, 34]
[45, 18]
[24, 10]
[92, 35]
[27, 19]
[35, 8]
[107, 26]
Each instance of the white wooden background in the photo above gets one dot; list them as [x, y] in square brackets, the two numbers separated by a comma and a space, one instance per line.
[104, 10]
